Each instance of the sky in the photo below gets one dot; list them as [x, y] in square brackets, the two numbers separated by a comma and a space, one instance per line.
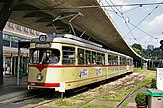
[137, 24]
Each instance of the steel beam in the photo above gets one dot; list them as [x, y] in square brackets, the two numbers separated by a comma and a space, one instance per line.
[5, 13]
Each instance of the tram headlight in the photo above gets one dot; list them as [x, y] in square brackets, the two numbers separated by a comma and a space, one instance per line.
[39, 77]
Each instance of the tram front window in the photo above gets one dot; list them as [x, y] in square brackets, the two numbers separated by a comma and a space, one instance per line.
[44, 56]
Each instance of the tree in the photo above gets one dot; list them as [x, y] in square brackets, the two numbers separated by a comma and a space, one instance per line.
[154, 54]
[137, 46]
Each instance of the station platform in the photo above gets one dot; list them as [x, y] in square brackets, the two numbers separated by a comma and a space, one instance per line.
[10, 88]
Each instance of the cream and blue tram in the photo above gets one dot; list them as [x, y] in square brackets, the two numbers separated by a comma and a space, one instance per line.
[80, 62]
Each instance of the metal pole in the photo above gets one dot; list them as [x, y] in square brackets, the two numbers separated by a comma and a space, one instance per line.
[18, 83]
[11, 65]
[1, 57]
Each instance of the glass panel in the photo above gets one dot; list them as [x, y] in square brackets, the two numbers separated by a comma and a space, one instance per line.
[94, 58]
[88, 57]
[80, 56]
[44, 56]
[68, 55]
[14, 42]
[122, 60]
[113, 59]
[103, 59]
[98, 58]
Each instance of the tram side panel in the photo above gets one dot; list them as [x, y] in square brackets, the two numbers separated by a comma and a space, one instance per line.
[81, 76]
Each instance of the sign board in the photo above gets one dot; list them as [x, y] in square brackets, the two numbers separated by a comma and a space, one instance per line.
[159, 78]
[84, 73]
[42, 38]
[62, 87]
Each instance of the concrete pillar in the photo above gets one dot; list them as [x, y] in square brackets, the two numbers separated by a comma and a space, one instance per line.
[5, 13]
[1, 57]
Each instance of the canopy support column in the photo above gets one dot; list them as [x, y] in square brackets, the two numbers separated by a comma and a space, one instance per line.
[5, 13]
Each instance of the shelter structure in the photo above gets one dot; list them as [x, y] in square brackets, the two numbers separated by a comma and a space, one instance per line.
[84, 18]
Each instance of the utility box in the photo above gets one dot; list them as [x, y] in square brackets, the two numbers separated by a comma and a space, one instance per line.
[155, 98]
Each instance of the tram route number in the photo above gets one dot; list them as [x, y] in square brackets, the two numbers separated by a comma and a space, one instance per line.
[43, 38]
[83, 73]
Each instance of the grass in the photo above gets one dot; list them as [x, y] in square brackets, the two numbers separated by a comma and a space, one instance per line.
[149, 77]
[117, 96]
[94, 106]
[61, 102]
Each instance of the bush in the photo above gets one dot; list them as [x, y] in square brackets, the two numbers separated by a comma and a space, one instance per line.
[153, 83]
[141, 99]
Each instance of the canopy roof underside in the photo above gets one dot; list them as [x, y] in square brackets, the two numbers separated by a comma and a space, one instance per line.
[70, 16]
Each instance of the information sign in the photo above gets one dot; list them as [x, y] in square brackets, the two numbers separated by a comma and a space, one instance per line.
[159, 78]
[62, 87]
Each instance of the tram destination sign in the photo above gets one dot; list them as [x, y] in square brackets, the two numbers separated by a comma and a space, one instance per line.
[42, 45]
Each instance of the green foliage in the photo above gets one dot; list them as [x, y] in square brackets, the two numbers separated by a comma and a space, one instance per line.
[153, 83]
[156, 53]
[117, 96]
[141, 99]
[137, 51]
[61, 102]
[137, 46]
[93, 106]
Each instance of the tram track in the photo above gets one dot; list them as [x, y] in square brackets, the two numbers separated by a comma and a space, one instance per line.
[113, 89]
[120, 86]
[116, 87]
[132, 92]
[21, 99]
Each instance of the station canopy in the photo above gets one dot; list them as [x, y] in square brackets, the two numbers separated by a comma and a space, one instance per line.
[84, 18]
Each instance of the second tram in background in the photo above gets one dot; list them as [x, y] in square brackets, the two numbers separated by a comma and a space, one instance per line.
[77, 62]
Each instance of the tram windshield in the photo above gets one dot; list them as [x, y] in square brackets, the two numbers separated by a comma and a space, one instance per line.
[44, 56]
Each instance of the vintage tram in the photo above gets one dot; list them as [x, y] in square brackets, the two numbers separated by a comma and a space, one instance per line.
[79, 62]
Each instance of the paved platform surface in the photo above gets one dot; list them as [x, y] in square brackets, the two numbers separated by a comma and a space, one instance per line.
[11, 89]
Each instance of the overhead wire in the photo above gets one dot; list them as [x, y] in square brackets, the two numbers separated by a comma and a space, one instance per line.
[143, 19]
[122, 16]
[144, 32]
[117, 5]
[130, 30]
[131, 9]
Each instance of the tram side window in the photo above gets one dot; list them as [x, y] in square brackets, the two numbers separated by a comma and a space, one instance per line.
[88, 57]
[53, 56]
[80, 56]
[42, 56]
[131, 61]
[34, 56]
[109, 59]
[37, 56]
[103, 59]
[116, 59]
[68, 55]
[128, 61]
[93, 58]
[99, 58]
[122, 60]
[113, 59]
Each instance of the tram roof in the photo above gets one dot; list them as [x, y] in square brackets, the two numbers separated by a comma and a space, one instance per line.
[92, 21]
[73, 40]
